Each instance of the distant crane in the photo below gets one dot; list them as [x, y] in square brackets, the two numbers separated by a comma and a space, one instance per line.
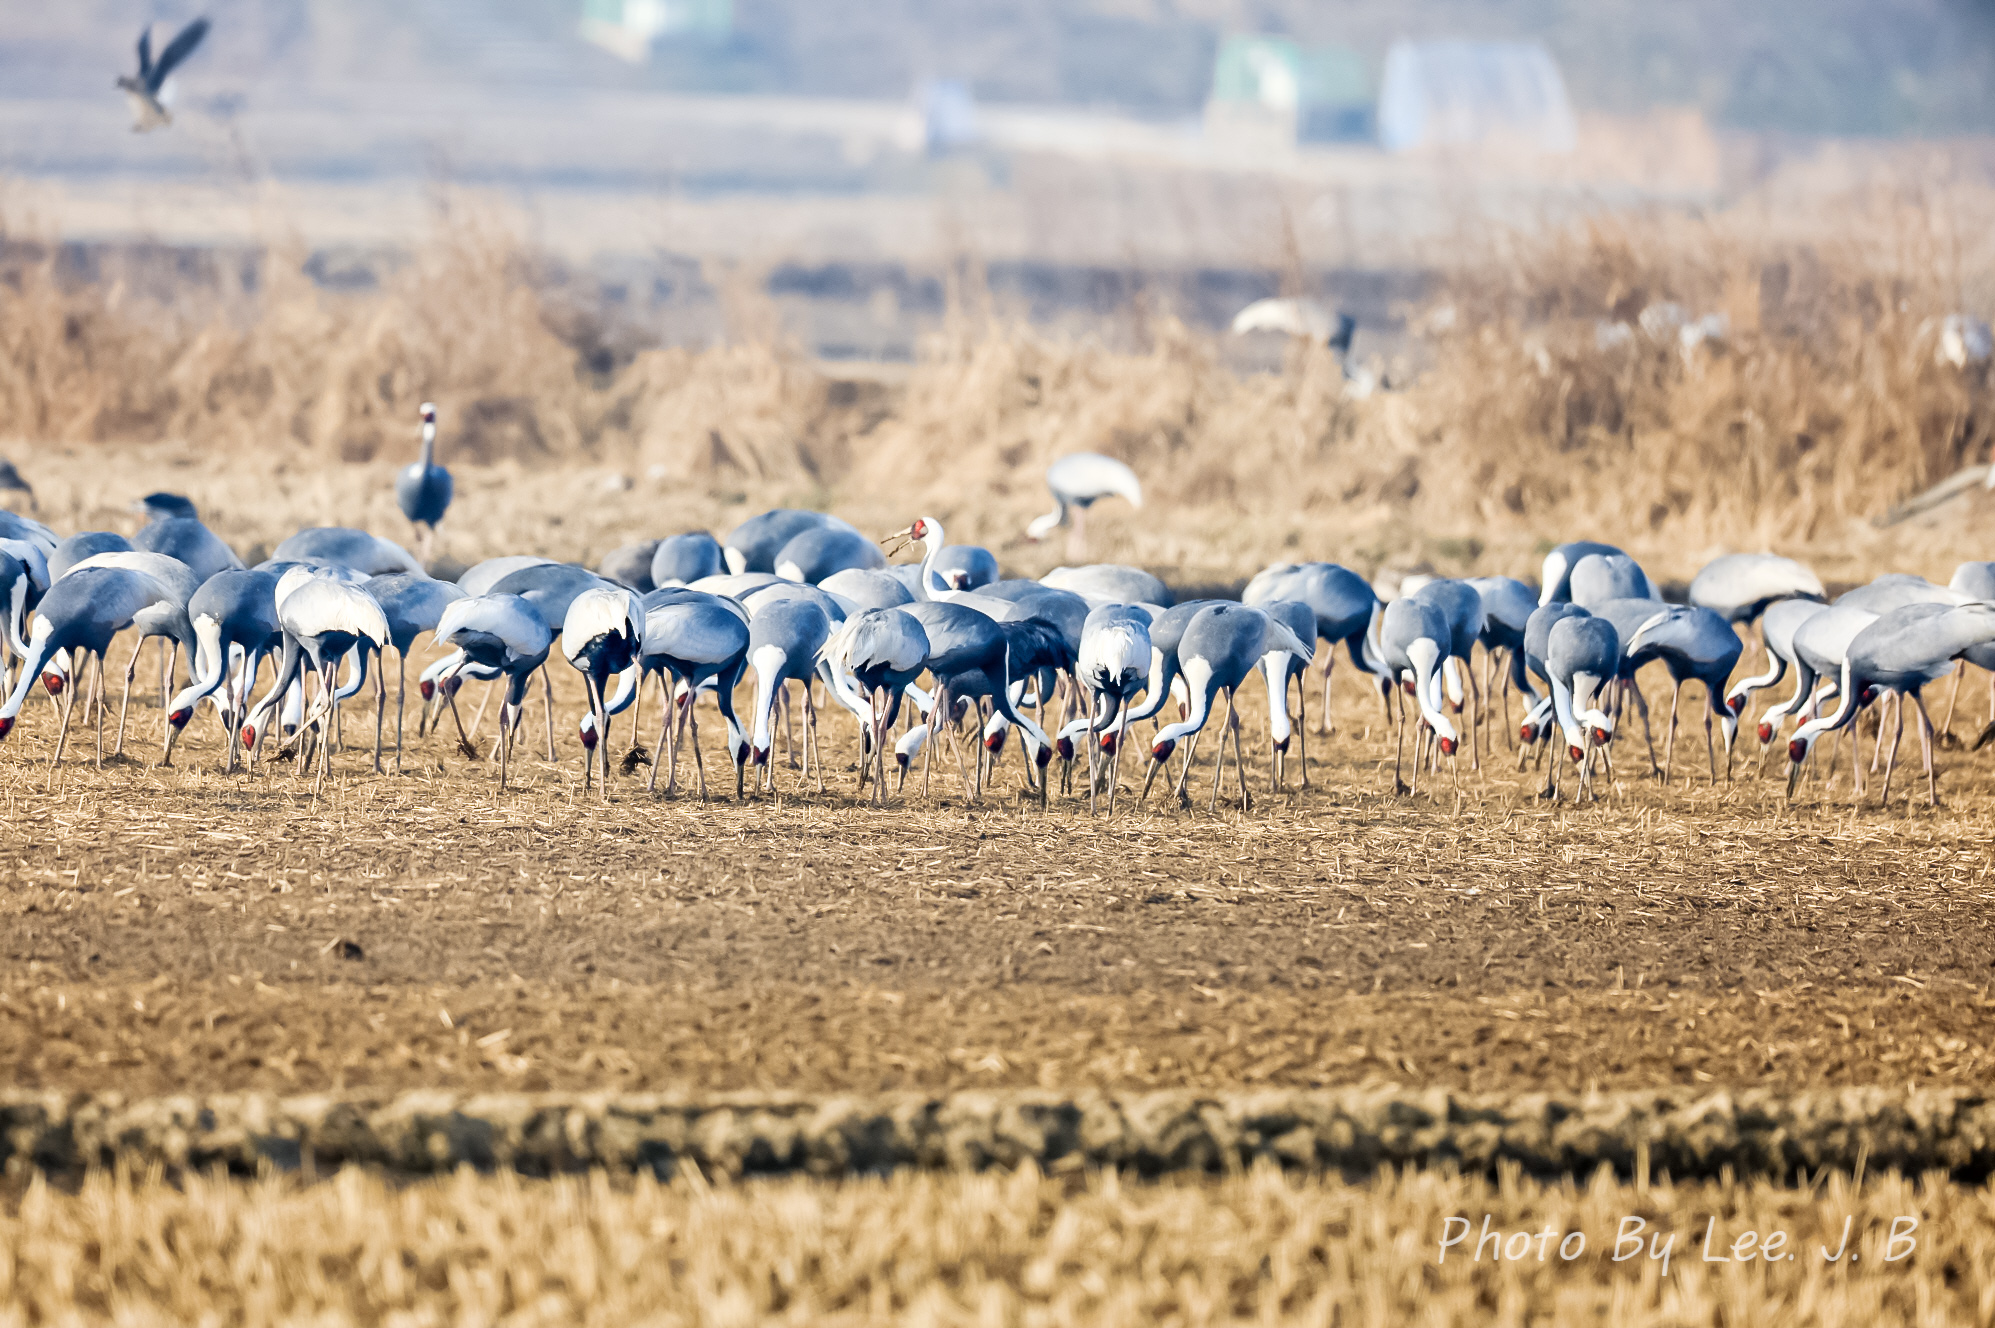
[1078, 481]
[423, 488]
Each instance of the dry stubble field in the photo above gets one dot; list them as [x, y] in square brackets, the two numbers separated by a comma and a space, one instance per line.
[182, 931]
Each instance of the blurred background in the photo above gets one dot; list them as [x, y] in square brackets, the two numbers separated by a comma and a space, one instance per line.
[751, 242]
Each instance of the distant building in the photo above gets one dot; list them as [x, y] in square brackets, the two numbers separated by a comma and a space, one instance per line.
[1279, 90]
[631, 28]
[1465, 93]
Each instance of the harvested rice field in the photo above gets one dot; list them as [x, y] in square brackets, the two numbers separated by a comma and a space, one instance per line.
[177, 933]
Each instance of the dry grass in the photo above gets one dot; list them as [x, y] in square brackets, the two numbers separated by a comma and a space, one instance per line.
[1824, 406]
[978, 1249]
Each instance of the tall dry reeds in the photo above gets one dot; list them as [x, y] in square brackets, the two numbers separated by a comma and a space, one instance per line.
[1545, 403]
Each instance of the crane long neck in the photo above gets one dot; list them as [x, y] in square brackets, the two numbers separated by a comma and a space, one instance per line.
[429, 443]
[932, 585]
[31, 668]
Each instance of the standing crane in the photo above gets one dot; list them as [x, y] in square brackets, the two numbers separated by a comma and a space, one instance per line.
[602, 633]
[325, 620]
[423, 489]
[234, 611]
[1078, 482]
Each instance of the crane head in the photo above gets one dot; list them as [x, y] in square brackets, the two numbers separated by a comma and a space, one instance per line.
[588, 728]
[1108, 743]
[248, 736]
[1576, 754]
[180, 717]
[1162, 751]
[1528, 734]
[427, 688]
[1765, 733]
[1447, 746]
[1066, 746]
[52, 681]
[429, 413]
[759, 755]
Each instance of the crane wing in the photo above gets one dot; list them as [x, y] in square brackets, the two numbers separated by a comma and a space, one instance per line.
[145, 50]
[176, 51]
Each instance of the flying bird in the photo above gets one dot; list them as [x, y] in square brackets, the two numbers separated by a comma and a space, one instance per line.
[142, 89]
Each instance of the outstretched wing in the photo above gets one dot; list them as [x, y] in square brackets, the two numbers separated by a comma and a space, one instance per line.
[145, 50]
[176, 51]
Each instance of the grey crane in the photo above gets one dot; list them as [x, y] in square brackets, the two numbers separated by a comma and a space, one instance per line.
[753, 545]
[1507, 606]
[874, 589]
[1218, 652]
[1582, 658]
[783, 644]
[1078, 481]
[505, 636]
[1975, 579]
[412, 604]
[479, 578]
[167, 621]
[1345, 606]
[1599, 577]
[175, 530]
[1694, 643]
[967, 566]
[812, 555]
[1779, 621]
[1415, 636]
[369, 555]
[81, 615]
[629, 565]
[602, 633]
[696, 640]
[1110, 583]
[680, 560]
[232, 611]
[1463, 607]
[142, 89]
[970, 659]
[1903, 651]
[1556, 581]
[884, 650]
[1539, 720]
[85, 544]
[423, 489]
[1739, 587]
[1279, 665]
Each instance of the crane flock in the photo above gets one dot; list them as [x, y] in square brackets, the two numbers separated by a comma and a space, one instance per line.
[799, 604]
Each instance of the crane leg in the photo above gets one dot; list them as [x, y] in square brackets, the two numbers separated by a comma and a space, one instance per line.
[547, 703]
[380, 711]
[1094, 747]
[99, 690]
[1926, 740]
[401, 702]
[505, 743]
[1669, 743]
[478, 719]
[67, 705]
[1326, 725]
[1398, 752]
[1959, 670]
[1218, 767]
[1884, 798]
[667, 734]
[1710, 756]
[693, 735]
[1301, 727]
[1239, 761]
[1148, 779]
[812, 742]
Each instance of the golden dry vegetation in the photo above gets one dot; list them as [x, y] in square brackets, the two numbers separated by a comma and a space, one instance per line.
[988, 1249]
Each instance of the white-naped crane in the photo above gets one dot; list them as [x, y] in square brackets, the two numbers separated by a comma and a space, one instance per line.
[1109, 583]
[1555, 583]
[370, 555]
[413, 604]
[967, 566]
[85, 544]
[1599, 577]
[175, 529]
[499, 635]
[550, 588]
[325, 620]
[1739, 587]
[1345, 606]
[1463, 607]
[1218, 652]
[1694, 644]
[1582, 659]
[1113, 666]
[1298, 316]
[970, 660]
[233, 612]
[18, 592]
[423, 488]
[680, 560]
[1977, 580]
[812, 555]
[1415, 636]
[167, 621]
[1507, 606]
[883, 650]
[15, 526]
[479, 578]
[753, 545]
[1778, 623]
[142, 89]
[629, 565]
[1279, 665]
[1539, 721]
[1078, 481]
[602, 634]
[1903, 651]
[697, 641]
[81, 615]
[877, 589]
[783, 644]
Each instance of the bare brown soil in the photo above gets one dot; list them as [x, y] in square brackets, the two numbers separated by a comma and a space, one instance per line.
[177, 928]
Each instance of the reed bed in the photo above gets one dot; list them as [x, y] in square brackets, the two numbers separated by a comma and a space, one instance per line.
[1533, 403]
[986, 1249]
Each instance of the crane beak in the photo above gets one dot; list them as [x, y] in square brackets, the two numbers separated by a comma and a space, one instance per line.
[897, 541]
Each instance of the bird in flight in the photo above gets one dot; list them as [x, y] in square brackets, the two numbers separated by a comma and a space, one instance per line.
[142, 91]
